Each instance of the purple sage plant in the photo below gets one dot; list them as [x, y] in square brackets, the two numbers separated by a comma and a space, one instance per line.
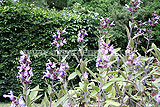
[134, 5]
[58, 40]
[103, 58]
[15, 102]
[25, 71]
[81, 34]
[55, 70]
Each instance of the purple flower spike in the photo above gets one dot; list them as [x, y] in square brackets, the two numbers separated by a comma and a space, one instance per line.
[81, 35]
[55, 70]
[134, 5]
[25, 71]
[58, 41]
[105, 51]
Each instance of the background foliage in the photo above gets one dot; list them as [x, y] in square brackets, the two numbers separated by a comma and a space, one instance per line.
[28, 26]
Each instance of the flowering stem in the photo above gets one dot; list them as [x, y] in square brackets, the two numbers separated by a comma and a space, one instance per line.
[99, 95]
[51, 95]
[123, 97]
[25, 92]
[85, 96]
[144, 104]
[59, 54]
[147, 45]
[132, 22]
[50, 101]
[65, 87]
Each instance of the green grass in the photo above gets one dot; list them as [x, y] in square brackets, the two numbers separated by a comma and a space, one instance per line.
[4, 104]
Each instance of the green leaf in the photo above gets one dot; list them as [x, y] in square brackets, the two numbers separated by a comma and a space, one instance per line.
[122, 73]
[83, 65]
[94, 76]
[128, 32]
[143, 49]
[130, 24]
[157, 52]
[71, 76]
[111, 102]
[116, 79]
[36, 98]
[96, 88]
[93, 93]
[61, 100]
[60, 93]
[140, 86]
[64, 58]
[107, 85]
[132, 43]
[118, 89]
[136, 36]
[28, 101]
[113, 91]
[34, 92]
[45, 101]
[142, 58]
[50, 90]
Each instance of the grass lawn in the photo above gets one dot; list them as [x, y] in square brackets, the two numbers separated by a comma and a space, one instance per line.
[4, 104]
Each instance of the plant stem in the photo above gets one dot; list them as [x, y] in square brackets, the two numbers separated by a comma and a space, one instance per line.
[85, 96]
[26, 88]
[99, 95]
[51, 92]
[123, 97]
[50, 101]
[143, 100]
[65, 87]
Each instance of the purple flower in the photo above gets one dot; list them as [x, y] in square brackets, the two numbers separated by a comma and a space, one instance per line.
[25, 71]
[134, 5]
[10, 96]
[105, 23]
[136, 61]
[105, 51]
[55, 70]
[112, 24]
[68, 105]
[15, 102]
[81, 35]
[158, 98]
[139, 1]
[127, 6]
[21, 102]
[58, 41]
[149, 20]
[84, 76]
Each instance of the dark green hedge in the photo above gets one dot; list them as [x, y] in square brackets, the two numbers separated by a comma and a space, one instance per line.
[23, 27]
